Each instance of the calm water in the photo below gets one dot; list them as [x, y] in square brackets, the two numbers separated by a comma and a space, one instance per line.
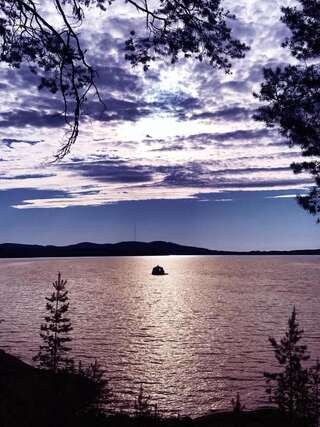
[194, 338]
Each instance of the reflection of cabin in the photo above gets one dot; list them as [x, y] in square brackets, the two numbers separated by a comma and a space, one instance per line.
[158, 271]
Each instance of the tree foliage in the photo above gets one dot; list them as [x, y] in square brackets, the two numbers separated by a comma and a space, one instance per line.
[55, 331]
[304, 24]
[100, 391]
[291, 94]
[314, 387]
[142, 406]
[72, 392]
[296, 388]
[288, 388]
[174, 28]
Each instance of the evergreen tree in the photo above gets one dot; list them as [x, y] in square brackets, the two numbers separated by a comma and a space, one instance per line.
[314, 386]
[290, 95]
[289, 389]
[99, 391]
[237, 410]
[143, 407]
[55, 331]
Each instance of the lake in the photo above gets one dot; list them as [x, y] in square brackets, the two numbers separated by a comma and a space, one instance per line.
[193, 338]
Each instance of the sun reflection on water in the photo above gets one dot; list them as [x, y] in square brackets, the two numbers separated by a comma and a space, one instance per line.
[193, 338]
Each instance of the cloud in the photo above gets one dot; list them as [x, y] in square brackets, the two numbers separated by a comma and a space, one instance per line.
[283, 196]
[112, 171]
[27, 176]
[178, 131]
[228, 114]
[21, 118]
[173, 147]
[117, 79]
[10, 141]
[117, 110]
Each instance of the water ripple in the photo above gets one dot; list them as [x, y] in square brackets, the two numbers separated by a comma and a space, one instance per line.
[193, 338]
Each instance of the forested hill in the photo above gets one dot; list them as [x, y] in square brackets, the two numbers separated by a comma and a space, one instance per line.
[13, 250]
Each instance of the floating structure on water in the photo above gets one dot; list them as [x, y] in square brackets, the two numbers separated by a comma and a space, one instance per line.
[158, 271]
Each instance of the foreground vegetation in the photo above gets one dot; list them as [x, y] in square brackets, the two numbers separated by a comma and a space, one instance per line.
[60, 393]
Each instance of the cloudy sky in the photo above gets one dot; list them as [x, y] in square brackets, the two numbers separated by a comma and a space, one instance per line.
[175, 152]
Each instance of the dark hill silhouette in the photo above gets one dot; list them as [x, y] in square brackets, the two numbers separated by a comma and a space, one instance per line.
[14, 250]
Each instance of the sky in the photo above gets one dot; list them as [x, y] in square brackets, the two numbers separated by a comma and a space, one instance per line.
[176, 152]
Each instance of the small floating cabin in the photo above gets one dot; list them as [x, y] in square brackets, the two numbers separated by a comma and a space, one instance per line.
[158, 271]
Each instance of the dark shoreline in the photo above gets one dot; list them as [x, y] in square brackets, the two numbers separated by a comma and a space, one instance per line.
[156, 248]
[24, 387]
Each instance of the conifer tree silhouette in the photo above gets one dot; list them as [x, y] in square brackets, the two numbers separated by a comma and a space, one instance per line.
[290, 94]
[143, 407]
[55, 331]
[289, 389]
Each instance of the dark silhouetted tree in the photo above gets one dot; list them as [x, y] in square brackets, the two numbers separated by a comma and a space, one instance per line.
[314, 391]
[237, 410]
[143, 407]
[174, 29]
[291, 94]
[289, 389]
[237, 406]
[53, 354]
[99, 391]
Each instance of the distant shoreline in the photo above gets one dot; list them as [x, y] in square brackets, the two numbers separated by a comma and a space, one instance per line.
[156, 248]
